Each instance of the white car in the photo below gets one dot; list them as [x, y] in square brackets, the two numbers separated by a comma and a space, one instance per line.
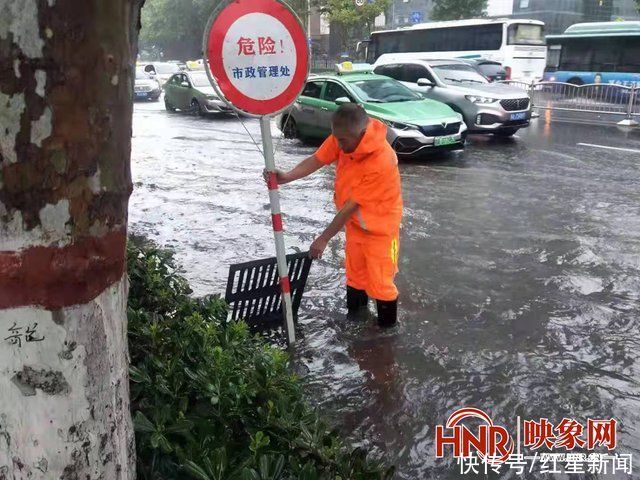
[162, 70]
[486, 107]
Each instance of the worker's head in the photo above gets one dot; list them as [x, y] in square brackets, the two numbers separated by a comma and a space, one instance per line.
[348, 125]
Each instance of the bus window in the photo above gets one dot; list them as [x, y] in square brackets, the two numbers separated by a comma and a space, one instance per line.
[576, 56]
[456, 39]
[605, 57]
[362, 50]
[459, 39]
[525, 34]
[486, 37]
[629, 57]
[553, 58]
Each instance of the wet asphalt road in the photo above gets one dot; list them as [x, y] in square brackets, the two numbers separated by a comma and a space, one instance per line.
[520, 274]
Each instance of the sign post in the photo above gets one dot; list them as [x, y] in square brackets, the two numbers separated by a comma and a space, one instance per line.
[257, 59]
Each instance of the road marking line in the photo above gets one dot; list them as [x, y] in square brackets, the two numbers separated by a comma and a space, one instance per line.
[608, 148]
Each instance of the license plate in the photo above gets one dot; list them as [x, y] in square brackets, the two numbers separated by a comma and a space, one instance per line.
[141, 94]
[441, 141]
[519, 116]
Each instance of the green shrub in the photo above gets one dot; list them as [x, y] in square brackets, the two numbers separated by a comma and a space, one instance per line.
[210, 401]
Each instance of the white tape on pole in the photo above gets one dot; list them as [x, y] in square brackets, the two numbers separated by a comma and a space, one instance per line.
[281, 256]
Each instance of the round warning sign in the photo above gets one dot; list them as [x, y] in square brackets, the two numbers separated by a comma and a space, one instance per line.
[256, 55]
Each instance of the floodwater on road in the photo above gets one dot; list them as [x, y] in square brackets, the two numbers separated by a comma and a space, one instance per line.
[519, 276]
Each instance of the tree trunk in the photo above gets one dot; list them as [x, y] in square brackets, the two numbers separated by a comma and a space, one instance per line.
[66, 73]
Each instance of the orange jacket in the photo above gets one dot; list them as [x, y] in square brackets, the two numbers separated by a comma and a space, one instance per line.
[369, 176]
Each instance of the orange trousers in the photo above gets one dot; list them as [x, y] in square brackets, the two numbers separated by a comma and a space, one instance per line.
[372, 264]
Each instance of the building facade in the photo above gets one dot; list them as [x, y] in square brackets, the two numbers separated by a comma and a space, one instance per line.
[559, 14]
[402, 13]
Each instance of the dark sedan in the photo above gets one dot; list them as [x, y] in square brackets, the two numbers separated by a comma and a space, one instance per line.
[494, 71]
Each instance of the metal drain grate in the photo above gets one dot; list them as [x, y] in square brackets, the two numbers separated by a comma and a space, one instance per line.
[253, 289]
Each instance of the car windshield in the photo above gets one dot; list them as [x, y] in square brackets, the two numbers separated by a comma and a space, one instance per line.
[457, 74]
[200, 80]
[142, 75]
[491, 69]
[525, 34]
[165, 68]
[383, 90]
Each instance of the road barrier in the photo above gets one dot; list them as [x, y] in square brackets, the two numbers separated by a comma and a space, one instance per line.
[322, 64]
[604, 98]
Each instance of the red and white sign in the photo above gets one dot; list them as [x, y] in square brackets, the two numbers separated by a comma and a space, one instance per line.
[257, 53]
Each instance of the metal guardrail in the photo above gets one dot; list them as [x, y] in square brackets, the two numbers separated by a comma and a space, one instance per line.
[604, 98]
[322, 64]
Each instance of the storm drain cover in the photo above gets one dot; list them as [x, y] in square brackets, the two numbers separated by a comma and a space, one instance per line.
[253, 289]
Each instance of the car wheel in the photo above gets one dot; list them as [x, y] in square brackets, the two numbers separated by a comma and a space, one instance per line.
[507, 132]
[168, 106]
[196, 108]
[289, 127]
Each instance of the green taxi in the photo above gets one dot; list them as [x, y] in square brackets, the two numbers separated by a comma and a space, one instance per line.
[415, 125]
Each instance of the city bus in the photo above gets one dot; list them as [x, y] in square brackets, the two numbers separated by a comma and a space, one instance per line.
[591, 53]
[519, 45]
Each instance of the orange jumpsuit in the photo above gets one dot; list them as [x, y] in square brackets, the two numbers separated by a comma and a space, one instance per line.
[369, 176]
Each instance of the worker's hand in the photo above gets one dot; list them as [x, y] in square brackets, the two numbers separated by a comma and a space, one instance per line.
[281, 176]
[318, 247]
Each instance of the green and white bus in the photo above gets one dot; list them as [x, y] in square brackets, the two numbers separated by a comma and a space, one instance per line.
[592, 53]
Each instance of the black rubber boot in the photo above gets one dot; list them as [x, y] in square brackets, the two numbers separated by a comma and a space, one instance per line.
[387, 313]
[356, 300]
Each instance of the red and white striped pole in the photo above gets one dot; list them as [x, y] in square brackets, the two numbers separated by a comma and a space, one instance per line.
[278, 234]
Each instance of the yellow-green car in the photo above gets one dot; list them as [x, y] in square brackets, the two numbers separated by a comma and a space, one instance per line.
[192, 92]
[416, 125]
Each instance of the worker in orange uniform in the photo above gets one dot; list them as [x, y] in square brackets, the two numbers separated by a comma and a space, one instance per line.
[369, 203]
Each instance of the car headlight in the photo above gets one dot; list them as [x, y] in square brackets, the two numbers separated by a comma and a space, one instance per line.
[480, 99]
[398, 125]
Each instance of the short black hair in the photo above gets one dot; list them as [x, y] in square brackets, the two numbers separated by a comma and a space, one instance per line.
[350, 115]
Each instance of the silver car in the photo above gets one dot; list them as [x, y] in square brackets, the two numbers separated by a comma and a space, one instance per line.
[486, 107]
[146, 87]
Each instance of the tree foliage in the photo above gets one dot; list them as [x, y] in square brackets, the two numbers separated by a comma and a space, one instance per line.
[176, 27]
[348, 21]
[345, 12]
[458, 9]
